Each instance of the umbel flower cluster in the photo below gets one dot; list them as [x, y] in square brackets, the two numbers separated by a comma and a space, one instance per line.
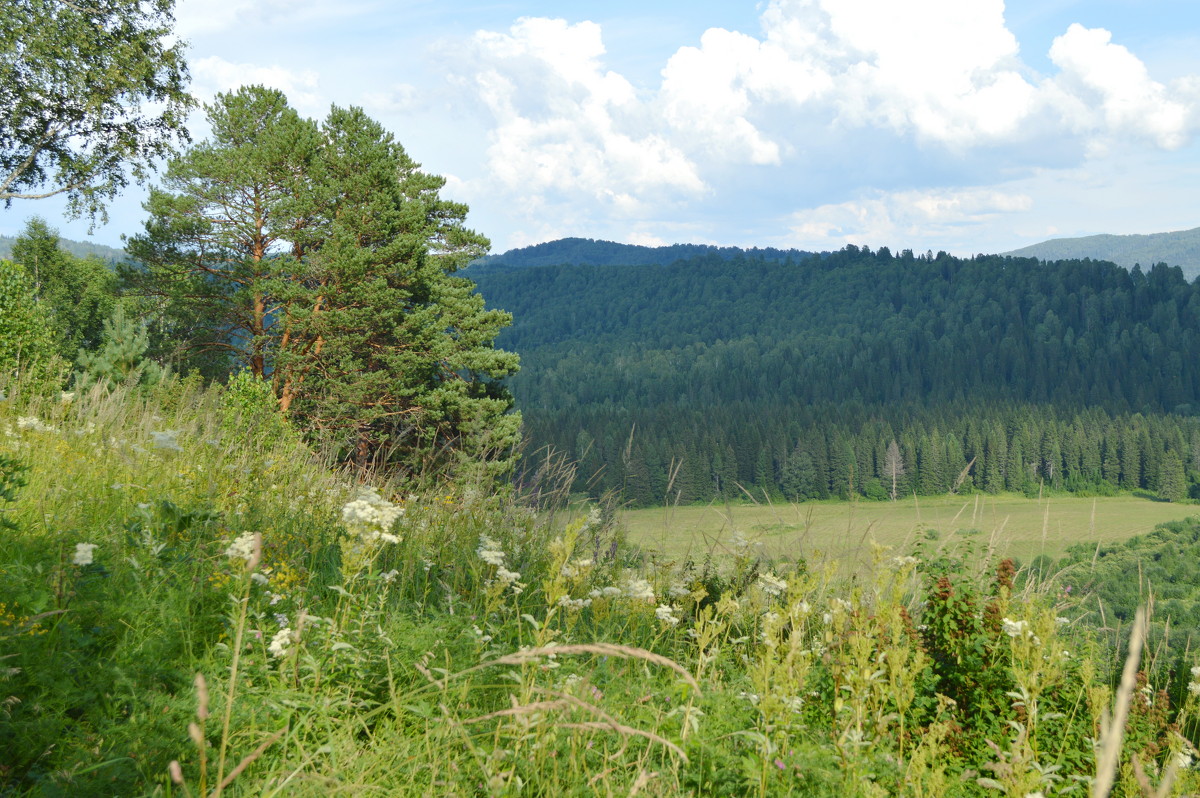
[369, 520]
[370, 517]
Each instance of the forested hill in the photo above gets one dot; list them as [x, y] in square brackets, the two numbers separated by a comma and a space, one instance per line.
[1181, 248]
[731, 364]
[80, 249]
[588, 252]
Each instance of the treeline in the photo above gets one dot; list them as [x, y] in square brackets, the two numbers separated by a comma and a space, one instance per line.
[589, 252]
[797, 452]
[794, 377]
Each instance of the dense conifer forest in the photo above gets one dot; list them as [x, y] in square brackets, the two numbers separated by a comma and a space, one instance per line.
[858, 373]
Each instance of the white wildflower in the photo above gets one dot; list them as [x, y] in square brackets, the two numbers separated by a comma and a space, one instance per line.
[510, 579]
[167, 439]
[570, 570]
[771, 584]
[1015, 629]
[390, 576]
[259, 578]
[371, 517]
[242, 548]
[905, 562]
[574, 604]
[639, 589]
[593, 519]
[739, 544]
[1186, 756]
[1061, 621]
[678, 590]
[490, 552]
[281, 643]
[83, 553]
[34, 423]
[67, 397]
[666, 614]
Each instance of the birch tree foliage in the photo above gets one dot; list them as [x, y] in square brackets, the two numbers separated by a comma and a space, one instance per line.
[91, 93]
[321, 258]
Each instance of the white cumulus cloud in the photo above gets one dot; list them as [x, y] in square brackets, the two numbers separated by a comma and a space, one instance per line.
[565, 125]
[1107, 91]
[200, 17]
[214, 74]
[829, 99]
[903, 216]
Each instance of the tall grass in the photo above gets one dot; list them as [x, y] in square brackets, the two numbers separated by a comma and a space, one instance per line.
[242, 619]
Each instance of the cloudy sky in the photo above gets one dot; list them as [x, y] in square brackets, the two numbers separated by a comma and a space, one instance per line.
[964, 125]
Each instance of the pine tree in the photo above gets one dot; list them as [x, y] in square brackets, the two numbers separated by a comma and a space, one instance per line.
[322, 258]
[121, 357]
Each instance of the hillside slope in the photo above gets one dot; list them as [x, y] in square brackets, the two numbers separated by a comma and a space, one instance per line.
[80, 249]
[1180, 248]
[714, 373]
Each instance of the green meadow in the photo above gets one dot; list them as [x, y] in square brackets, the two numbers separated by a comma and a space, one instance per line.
[1005, 525]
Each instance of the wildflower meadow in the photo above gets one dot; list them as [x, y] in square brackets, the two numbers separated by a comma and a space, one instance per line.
[193, 604]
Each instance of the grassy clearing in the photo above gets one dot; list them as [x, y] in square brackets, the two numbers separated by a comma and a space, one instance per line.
[1007, 525]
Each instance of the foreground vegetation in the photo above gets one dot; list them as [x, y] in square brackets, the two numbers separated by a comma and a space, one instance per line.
[194, 606]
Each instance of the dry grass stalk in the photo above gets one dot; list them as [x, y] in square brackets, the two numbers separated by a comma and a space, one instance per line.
[1114, 732]
[1164, 787]
[248, 760]
[642, 780]
[603, 649]
[621, 728]
[522, 709]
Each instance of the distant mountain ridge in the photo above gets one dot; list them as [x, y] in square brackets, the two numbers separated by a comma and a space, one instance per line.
[80, 249]
[1180, 248]
[592, 252]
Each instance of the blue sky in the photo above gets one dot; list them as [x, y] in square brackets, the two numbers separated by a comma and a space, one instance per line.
[964, 125]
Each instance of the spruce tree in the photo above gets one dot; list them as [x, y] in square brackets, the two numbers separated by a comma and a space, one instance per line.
[1172, 482]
